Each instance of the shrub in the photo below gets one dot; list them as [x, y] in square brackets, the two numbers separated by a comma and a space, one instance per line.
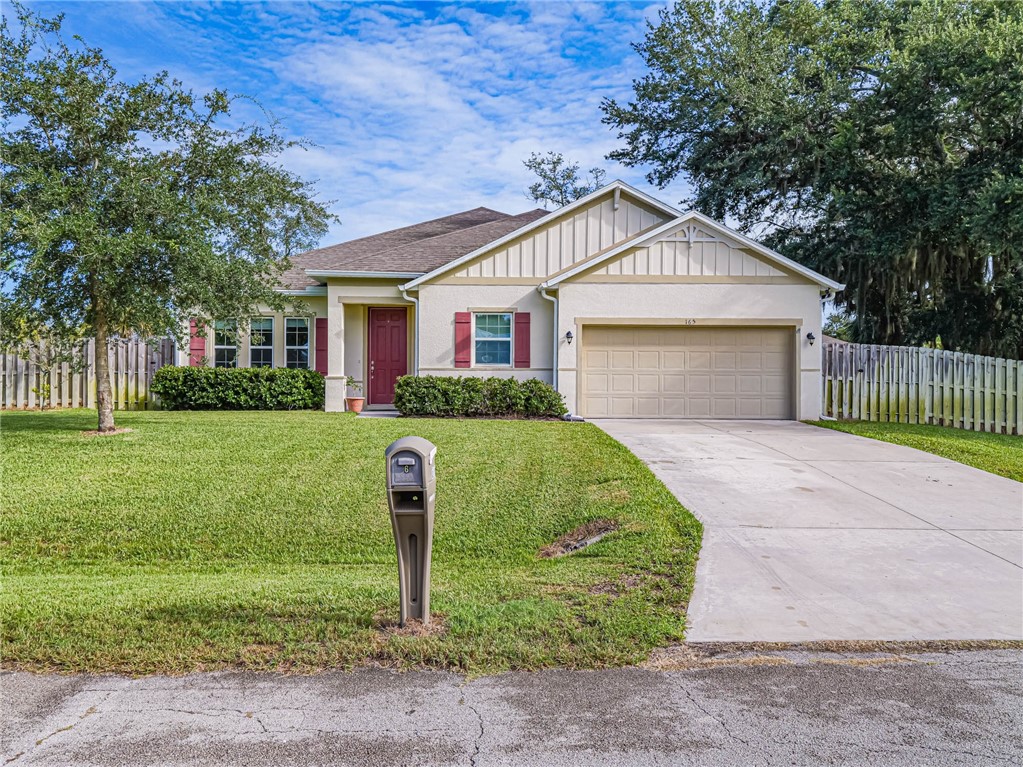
[450, 396]
[203, 388]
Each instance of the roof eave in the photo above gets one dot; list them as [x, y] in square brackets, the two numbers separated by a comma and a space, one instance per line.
[312, 290]
[328, 273]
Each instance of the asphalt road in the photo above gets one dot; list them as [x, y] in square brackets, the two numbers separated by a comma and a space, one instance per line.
[962, 708]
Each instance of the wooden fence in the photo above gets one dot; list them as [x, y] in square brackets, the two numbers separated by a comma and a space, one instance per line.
[930, 386]
[36, 378]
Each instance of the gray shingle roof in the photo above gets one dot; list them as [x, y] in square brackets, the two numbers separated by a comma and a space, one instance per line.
[417, 248]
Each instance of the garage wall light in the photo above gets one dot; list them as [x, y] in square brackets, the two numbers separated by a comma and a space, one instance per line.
[569, 337]
[811, 337]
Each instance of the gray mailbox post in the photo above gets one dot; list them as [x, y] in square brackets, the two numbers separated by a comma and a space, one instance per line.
[411, 479]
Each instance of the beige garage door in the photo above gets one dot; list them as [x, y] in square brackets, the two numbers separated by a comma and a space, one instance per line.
[671, 372]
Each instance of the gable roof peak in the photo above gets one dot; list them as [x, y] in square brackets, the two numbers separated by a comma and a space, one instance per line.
[715, 227]
[548, 216]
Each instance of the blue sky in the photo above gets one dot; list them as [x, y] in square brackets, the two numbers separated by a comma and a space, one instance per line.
[416, 110]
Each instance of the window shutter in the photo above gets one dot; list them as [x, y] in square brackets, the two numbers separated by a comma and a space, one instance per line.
[463, 339]
[196, 345]
[522, 339]
[321, 345]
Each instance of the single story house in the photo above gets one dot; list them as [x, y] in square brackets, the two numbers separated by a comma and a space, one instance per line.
[629, 307]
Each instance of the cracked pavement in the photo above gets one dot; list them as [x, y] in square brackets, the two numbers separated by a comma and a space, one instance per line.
[779, 708]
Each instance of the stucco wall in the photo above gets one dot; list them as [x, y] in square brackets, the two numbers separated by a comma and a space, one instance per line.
[355, 347]
[349, 301]
[438, 304]
[797, 306]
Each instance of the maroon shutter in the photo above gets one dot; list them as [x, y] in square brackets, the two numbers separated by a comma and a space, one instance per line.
[196, 345]
[522, 339]
[463, 339]
[321, 346]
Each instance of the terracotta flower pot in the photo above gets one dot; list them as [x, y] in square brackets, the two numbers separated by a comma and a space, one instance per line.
[355, 404]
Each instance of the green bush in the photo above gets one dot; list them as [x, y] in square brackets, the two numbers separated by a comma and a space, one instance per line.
[203, 388]
[450, 396]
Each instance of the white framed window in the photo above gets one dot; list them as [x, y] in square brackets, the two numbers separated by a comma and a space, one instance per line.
[492, 339]
[296, 342]
[225, 344]
[261, 342]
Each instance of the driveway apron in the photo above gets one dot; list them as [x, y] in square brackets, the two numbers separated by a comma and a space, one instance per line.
[812, 534]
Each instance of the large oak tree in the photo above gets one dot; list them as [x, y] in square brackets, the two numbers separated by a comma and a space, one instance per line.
[128, 207]
[879, 141]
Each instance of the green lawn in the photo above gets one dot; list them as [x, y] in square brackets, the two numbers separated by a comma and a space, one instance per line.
[997, 453]
[205, 540]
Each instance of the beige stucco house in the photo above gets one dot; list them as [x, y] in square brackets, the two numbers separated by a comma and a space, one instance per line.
[629, 307]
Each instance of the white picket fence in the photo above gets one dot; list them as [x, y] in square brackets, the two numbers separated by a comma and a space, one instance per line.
[35, 378]
[914, 385]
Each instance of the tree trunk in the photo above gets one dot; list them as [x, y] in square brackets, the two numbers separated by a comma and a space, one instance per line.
[104, 395]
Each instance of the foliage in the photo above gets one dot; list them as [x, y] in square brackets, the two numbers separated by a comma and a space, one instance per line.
[1000, 454]
[262, 540]
[878, 141]
[129, 207]
[558, 181]
[839, 325]
[205, 388]
[453, 396]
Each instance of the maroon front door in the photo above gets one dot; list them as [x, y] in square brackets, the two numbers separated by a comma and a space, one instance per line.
[388, 352]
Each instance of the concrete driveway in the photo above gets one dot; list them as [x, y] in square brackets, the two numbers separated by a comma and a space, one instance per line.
[812, 534]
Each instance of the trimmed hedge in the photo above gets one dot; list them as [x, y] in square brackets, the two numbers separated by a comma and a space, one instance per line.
[203, 388]
[451, 396]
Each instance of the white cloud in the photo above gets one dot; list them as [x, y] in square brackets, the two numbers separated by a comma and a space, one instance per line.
[440, 113]
[416, 111]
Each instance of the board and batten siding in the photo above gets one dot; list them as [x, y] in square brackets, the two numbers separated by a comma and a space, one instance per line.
[566, 241]
[690, 252]
[903, 384]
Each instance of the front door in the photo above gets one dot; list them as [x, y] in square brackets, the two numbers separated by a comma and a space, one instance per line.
[388, 352]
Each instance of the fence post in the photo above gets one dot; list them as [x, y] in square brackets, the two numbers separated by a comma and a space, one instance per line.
[1000, 419]
[1019, 398]
[854, 399]
[825, 376]
[967, 391]
[847, 380]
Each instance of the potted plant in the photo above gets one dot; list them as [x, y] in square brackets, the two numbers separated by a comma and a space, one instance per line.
[356, 400]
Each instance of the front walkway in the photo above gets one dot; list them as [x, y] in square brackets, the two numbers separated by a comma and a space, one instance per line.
[813, 534]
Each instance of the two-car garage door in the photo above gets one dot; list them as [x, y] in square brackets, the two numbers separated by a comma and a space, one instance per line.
[687, 372]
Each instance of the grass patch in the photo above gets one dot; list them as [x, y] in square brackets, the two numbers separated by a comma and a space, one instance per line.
[202, 540]
[1000, 454]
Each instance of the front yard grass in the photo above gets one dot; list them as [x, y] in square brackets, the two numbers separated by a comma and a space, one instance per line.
[262, 540]
[1000, 454]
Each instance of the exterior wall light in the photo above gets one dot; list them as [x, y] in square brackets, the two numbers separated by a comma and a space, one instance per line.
[811, 337]
[569, 337]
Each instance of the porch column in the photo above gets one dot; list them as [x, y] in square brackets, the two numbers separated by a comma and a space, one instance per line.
[334, 401]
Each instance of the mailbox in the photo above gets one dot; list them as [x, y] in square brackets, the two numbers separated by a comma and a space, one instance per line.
[411, 479]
